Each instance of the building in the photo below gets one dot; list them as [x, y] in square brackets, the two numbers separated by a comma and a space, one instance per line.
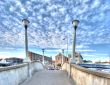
[58, 59]
[33, 56]
[78, 58]
[14, 60]
[102, 62]
[10, 61]
[37, 57]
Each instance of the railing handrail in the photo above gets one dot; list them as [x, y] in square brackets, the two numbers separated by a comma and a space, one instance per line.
[97, 73]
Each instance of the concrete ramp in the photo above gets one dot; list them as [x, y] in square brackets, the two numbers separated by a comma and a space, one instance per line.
[49, 77]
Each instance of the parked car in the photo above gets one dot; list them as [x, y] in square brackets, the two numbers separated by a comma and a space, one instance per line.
[50, 68]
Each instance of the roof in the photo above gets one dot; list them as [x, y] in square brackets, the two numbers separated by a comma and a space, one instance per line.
[60, 55]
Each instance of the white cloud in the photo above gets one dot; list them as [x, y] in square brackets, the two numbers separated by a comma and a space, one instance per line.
[86, 50]
[18, 3]
[12, 8]
[50, 23]
[23, 10]
[58, 50]
[82, 46]
[62, 10]
[96, 3]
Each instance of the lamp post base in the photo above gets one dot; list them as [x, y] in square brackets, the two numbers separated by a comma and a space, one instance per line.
[72, 61]
[28, 61]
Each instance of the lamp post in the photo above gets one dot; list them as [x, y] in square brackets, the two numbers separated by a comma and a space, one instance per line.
[43, 58]
[67, 45]
[62, 56]
[75, 25]
[25, 23]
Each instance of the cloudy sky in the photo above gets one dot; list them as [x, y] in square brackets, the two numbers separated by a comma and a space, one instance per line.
[51, 25]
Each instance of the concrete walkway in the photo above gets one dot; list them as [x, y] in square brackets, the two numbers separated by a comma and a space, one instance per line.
[49, 77]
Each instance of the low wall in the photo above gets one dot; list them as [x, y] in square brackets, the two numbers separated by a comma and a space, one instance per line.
[84, 76]
[15, 75]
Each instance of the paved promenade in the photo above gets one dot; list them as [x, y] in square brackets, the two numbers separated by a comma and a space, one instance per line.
[49, 77]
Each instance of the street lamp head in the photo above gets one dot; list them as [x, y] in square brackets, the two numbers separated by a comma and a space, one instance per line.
[75, 23]
[25, 22]
[43, 50]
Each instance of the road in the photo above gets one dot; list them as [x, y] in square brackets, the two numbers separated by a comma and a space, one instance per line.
[49, 77]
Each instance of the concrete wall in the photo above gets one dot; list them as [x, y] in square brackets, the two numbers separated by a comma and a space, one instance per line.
[15, 75]
[84, 76]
